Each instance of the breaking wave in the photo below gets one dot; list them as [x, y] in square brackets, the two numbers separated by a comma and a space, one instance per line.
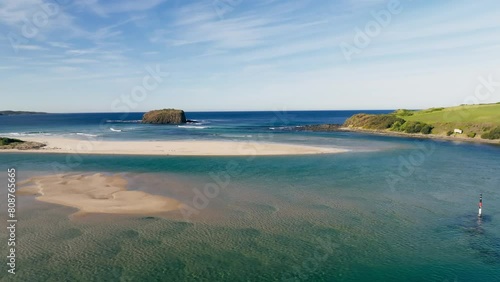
[123, 121]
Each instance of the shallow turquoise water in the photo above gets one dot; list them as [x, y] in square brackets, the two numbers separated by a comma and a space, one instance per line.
[404, 210]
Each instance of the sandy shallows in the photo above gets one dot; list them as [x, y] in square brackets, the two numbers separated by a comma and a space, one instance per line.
[175, 148]
[96, 193]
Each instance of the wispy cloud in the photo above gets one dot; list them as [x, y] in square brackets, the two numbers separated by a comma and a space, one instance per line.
[13, 12]
[79, 52]
[105, 8]
[199, 23]
[270, 49]
[61, 45]
[37, 20]
[31, 47]
[150, 53]
[79, 61]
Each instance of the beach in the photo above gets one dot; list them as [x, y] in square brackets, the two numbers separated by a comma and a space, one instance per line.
[96, 193]
[172, 148]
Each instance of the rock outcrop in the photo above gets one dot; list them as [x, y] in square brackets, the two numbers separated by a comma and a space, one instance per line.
[9, 143]
[321, 127]
[376, 122]
[165, 116]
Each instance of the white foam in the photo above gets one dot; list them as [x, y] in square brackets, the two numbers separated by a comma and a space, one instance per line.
[235, 136]
[281, 128]
[17, 134]
[192, 126]
[123, 121]
[86, 134]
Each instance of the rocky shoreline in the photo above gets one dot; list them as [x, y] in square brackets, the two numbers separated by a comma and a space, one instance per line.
[342, 128]
[422, 136]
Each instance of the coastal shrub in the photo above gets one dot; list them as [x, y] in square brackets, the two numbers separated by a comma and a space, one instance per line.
[412, 127]
[493, 134]
[449, 133]
[403, 113]
[471, 134]
[377, 122]
[8, 141]
[427, 129]
[431, 110]
[396, 126]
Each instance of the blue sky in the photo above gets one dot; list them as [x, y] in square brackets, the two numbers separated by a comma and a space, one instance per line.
[91, 55]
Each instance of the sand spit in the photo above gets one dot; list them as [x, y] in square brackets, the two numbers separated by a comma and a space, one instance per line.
[96, 193]
[174, 148]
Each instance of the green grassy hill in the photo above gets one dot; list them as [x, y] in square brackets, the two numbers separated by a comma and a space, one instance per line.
[471, 119]
[475, 121]
[489, 113]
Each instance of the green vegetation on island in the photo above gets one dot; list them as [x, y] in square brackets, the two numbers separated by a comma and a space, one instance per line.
[11, 143]
[165, 116]
[468, 121]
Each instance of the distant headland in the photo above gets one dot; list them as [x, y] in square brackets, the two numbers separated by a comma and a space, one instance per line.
[475, 123]
[11, 113]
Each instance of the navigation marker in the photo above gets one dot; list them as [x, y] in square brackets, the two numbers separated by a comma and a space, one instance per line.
[480, 205]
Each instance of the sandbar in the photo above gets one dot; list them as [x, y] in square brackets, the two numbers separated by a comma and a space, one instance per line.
[173, 148]
[96, 193]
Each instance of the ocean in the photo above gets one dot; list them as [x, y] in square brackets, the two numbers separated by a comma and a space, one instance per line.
[389, 209]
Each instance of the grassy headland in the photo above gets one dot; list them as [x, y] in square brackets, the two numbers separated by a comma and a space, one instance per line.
[476, 122]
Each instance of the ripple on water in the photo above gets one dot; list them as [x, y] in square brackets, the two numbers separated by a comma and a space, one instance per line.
[128, 234]
[173, 228]
[67, 234]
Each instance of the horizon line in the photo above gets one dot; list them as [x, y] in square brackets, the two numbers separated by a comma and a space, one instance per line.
[209, 111]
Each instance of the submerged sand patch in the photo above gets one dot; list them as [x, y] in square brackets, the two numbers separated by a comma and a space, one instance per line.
[96, 193]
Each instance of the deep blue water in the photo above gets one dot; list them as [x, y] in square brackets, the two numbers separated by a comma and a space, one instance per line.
[392, 209]
[208, 125]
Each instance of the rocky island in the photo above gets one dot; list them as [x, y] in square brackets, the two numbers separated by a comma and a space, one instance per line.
[165, 116]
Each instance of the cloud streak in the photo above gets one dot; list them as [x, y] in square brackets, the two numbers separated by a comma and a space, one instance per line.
[251, 51]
